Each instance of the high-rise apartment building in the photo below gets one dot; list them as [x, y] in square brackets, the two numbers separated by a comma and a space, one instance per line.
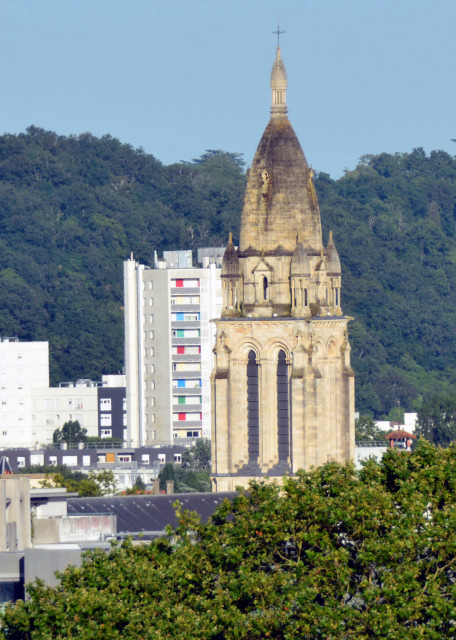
[168, 346]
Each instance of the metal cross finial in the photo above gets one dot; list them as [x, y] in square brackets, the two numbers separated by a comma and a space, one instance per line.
[278, 33]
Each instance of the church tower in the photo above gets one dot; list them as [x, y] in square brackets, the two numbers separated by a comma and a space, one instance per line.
[283, 388]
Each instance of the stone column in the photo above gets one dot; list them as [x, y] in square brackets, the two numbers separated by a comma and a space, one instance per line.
[268, 414]
[238, 414]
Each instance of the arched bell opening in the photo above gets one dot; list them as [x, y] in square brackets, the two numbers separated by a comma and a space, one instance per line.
[283, 403]
[253, 408]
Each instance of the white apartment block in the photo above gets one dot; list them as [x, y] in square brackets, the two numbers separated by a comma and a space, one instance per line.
[168, 346]
[54, 406]
[30, 410]
[23, 366]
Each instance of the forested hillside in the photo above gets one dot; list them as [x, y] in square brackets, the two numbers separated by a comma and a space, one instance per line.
[73, 208]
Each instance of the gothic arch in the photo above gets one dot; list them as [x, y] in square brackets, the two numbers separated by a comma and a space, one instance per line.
[319, 348]
[331, 347]
[272, 348]
[246, 347]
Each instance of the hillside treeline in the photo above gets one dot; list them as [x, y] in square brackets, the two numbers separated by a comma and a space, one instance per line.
[73, 208]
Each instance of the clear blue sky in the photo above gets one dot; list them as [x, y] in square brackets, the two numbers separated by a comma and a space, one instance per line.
[180, 77]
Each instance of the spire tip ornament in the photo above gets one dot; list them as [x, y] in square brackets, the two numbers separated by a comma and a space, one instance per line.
[278, 33]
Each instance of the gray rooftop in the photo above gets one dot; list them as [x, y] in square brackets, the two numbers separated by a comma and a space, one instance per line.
[148, 513]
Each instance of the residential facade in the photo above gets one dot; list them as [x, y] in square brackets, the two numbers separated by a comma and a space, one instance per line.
[168, 346]
[24, 370]
[31, 410]
[126, 464]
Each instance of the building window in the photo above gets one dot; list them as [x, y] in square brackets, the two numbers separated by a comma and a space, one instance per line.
[53, 461]
[145, 458]
[162, 458]
[21, 462]
[282, 407]
[105, 420]
[177, 457]
[106, 433]
[253, 414]
[105, 404]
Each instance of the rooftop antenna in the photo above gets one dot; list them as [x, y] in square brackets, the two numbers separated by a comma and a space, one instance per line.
[278, 33]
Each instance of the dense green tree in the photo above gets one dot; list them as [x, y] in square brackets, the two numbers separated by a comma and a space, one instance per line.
[332, 554]
[193, 473]
[197, 457]
[95, 483]
[436, 420]
[139, 484]
[71, 433]
[168, 472]
[367, 431]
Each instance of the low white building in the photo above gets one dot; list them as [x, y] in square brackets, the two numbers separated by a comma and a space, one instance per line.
[390, 425]
[54, 406]
[31, 410]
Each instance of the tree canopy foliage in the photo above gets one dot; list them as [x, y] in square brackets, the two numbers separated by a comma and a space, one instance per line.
[94, 483]
[367, 431]
[71, 432]
[333, 554]
[193, 473]
[436, 420]
[73, 208]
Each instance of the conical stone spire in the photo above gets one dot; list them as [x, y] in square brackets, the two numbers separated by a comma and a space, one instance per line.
[280, 197]
[332, 256]
[279, 87]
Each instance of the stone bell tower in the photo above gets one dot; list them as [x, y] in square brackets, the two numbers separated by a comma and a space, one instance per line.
[283, 388]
